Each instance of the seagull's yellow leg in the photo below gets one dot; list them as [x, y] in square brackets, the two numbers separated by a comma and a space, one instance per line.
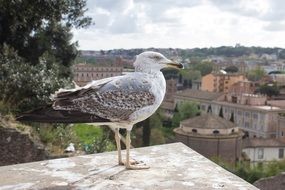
[118, 142]
[128, 163]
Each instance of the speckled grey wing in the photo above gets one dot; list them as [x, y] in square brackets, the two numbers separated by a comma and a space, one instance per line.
[115, 100]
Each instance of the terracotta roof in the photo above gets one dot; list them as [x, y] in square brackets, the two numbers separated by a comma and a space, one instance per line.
[208, 121]
[261, 142]
[199, 94]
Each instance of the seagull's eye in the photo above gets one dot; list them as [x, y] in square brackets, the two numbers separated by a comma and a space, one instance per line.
[156, 57]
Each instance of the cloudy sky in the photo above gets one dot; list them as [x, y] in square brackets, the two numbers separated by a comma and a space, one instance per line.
[183, 24]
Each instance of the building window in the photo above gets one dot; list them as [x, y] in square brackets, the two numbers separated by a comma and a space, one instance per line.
[260, 153]
[255, 116]
[281, 153]
[246, 124]
[194, 130]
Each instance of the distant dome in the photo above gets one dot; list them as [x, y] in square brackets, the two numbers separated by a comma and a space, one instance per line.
[208, 121]
[211, 136]
[208, 124]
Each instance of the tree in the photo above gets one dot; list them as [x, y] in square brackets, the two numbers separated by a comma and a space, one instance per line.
[256, 74]
[269, 90]
[154, 121]
[186, 110]
[231, 69]
[34, 27]
[36, 51]
[204, 67]
[25, 86]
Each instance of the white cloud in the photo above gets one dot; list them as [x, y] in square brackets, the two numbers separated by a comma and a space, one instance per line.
[183, 23]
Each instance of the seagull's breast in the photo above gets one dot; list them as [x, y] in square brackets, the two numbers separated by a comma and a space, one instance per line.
[158, 88]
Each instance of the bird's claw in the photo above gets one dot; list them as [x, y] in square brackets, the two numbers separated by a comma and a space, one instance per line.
[137, 167]
[134, 165]
[132, 162]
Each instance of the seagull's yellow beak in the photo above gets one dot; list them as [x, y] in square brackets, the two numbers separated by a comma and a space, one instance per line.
[175, 65]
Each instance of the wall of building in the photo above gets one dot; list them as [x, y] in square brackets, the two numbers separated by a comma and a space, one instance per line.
[281, 128]
[257, 123]
[84, 73]
[171, 89]
[207, 83]
[229, 149]
[261, 154]
[220, 82]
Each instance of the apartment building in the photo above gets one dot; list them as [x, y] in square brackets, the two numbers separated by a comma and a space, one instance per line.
[249, 113]
[84, 73]
[220, 82]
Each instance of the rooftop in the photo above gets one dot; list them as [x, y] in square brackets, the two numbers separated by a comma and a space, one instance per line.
[199, 94]
[172, 166]
[261, 142]
[208, 121]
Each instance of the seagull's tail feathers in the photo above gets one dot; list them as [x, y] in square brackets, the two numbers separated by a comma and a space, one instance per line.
[50, 115]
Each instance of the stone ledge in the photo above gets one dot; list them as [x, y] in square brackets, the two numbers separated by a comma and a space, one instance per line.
[172, 166]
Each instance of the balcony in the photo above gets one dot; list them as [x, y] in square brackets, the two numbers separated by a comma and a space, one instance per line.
[172, 166]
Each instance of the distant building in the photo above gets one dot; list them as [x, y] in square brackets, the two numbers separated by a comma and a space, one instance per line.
[279, 79]
[196, 84]
[219, 82]
[242, 87]
[240, 65]
[171, 89]
[263, 150]
[168, 102]
[211, 136]
[84, 73]
[249, 113]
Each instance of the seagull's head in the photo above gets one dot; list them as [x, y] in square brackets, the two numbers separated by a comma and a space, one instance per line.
[154, 61]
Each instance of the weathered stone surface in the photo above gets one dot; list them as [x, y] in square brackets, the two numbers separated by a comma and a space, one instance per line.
[172, 166]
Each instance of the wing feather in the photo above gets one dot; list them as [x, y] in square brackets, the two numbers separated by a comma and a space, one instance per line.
[115, 99]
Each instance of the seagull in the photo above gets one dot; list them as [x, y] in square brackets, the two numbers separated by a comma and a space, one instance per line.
[119, 102]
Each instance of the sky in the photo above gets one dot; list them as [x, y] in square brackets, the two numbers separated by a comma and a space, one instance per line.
[182, 24]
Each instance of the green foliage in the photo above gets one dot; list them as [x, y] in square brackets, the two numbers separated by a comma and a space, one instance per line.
[57, 134]
[254, 172]
[27, 86]
[86, 133]
[190, 74]
[170, 73]
[36, 49]
[85, 137]
[34, 27]
[154, 121]
[186, 110]
[204, 68]
[157, 136]
[231, 69]
[269, 90]
[256, 74]
[94, 139]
